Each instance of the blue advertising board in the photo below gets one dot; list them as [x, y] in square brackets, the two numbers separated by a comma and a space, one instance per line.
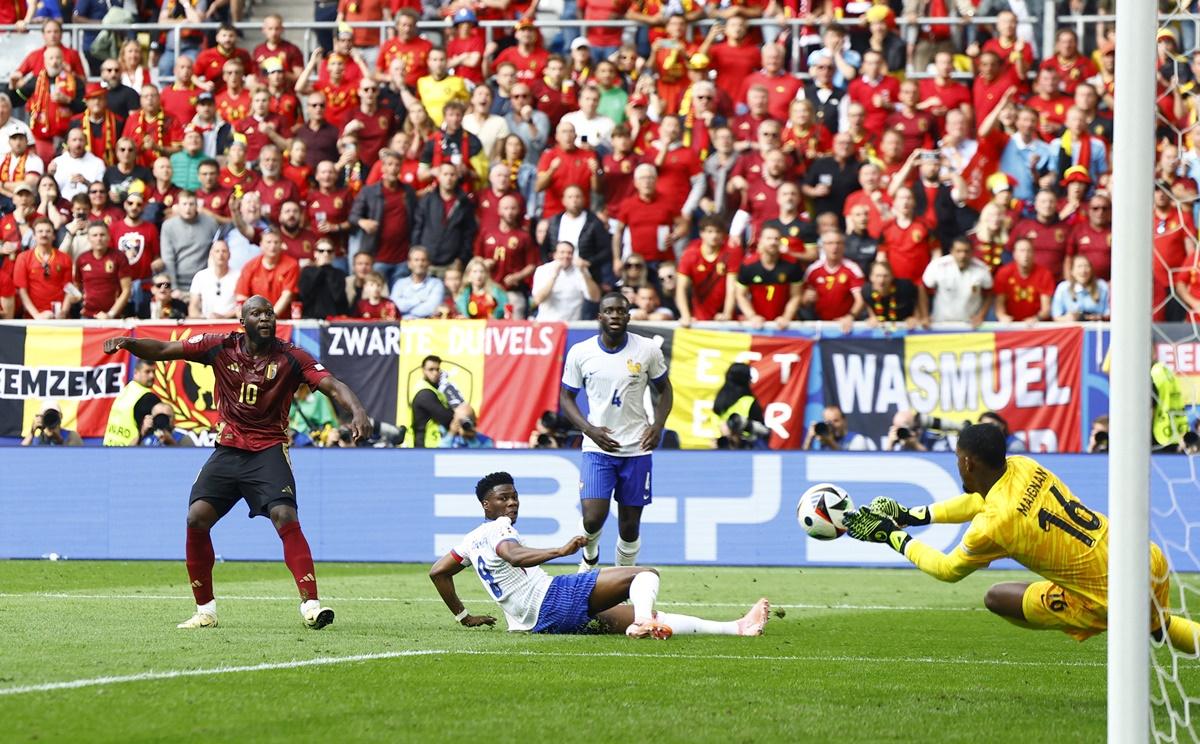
[724, 508]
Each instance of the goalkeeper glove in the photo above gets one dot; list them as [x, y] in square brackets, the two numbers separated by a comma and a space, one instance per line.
[871, 527]
[903, 516]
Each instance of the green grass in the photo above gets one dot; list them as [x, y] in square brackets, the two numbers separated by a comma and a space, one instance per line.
[852, 655]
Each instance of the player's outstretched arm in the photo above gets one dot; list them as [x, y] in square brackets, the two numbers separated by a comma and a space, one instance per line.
[523, 557]
[340, 392]
[442, 575]
[960, 509]
[871, 527]
[146, 348]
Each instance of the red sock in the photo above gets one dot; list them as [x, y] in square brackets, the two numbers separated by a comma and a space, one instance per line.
[200, 559]
[299, 560]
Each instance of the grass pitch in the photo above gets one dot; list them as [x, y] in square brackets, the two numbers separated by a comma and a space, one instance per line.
[89, 652]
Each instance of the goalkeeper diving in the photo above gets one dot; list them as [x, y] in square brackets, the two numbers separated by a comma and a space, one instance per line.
[1020, 510]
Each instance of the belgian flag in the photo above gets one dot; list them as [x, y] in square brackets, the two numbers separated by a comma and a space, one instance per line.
[40, 365]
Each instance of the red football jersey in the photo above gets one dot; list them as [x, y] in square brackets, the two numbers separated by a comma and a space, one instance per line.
[1049, 243]
[1023, 294]
[708, 278]
[836, 288]
[100, 279]
[1095, 244]
[139, 243]
[253, 393]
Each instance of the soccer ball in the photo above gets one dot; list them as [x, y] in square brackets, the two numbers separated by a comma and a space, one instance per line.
[821, 509]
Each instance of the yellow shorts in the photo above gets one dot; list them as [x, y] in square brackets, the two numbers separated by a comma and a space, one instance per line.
[1049, 606]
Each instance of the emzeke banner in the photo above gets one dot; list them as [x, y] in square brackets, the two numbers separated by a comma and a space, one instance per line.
[67, 366]
[190, 388]
[697, 366]
[508, 371]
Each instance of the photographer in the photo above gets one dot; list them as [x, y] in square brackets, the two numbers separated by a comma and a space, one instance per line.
[464, 435]
[916, 433]
[1011, 442]
[738, 412]
[436, 405]
[158, 429]
[550, 431]
[1098, 439]
[380, 435]
[832, 433]
[47, 430]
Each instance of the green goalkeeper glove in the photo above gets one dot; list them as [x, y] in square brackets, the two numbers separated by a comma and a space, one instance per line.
[868, 526]
[903, 516]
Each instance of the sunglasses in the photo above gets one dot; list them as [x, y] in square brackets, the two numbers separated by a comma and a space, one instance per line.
[324, 250]
[162, 285]
[316, 104]
[704, 97]
[97, 191]
[136, 202]
[45, 271]
[635, 265]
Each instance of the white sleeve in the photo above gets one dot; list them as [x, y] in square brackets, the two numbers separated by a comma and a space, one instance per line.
[462, 551]
[657, 366]
[572, 373]
[929, 278]
[988, 282]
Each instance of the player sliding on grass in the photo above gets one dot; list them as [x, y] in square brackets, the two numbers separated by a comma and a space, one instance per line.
[1020, 510]
[256, 377]
[571, 603]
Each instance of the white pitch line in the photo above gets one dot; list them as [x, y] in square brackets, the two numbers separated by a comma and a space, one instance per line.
[330, 660]
[252, 598]
[149, 676]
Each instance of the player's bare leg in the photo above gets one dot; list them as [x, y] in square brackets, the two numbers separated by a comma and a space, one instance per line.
[1007, 599]
[595, 514]
[201, 517]
[641, 620]
[298, 557]
[629, 534]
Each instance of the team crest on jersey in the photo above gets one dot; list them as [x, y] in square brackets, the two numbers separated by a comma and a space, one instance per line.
[109, 267]
[272, 370]
[635, 368]
[337, 203]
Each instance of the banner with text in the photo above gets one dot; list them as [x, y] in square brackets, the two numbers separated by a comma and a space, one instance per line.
[508, 371]
[63, 366]
[780, 371]
[365, 356]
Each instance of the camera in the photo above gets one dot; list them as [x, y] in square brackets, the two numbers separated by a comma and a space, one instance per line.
[938, 423]
[453, 397]
[903, 433]
[821, 429]
[468, 425]
[51, 419]
[381, 434]
[161, 422]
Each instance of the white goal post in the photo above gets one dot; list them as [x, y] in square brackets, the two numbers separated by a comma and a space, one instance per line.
[1129, 452]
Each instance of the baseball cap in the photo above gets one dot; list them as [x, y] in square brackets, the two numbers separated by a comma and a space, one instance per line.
[18, 133]
[1075, 174]
[698, 61]
[999, 182]
[22, 185]
[638, 99]
[523, 23]
[1166, 33]
[205, 97]
[579, 42]
[272, 64]
[464, 15]
[344, 31]
[94, 90]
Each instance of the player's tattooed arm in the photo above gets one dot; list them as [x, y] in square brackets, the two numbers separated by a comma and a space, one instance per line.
[360, 422]
[442, 575]
[145, 348]
[523, 557]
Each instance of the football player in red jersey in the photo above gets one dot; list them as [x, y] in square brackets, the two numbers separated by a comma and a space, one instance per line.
[256, 376]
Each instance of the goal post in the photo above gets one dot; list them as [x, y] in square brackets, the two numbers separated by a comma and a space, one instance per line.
[1133, 158]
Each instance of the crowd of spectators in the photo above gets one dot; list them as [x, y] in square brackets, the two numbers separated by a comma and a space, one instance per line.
[410, 173]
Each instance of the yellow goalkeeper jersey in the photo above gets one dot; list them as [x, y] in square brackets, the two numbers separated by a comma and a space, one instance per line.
[1031, 516]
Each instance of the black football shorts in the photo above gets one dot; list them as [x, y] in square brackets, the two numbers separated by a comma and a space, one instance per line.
[264, 479]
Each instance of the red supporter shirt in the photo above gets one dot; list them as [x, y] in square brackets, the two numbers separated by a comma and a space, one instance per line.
[1095, 244]
[987, 95]
[180, 103]
[377, 129]
[770, 289]
[287, 107]
[210, 65]
[1051, 111]
[340, 101]
[676, 172]
[246, 179]
[287, 53]
[253, 393]
[274, 194]
[328, 208]
[761, 202]
[806, 145]
[33, 61]
[231, 107]
[299, 246]
[917, 130]
[836, 288]
[951, 95]
[394, 228]
[384, 309]
[487, 214]
[45, 282]
[648, 223]
[414, 52]
[781, 91]
[100, 279]
[554, 102]
[1008, 53]
[459, 46]
[876, 99]
[139, 243]
[256, 138]
[1022, 294]
[257, 279]
[745, 127]
[215, 201]
[1070, 73]
[618, 177]
[575, 169]
[510, 250]
[1170, 253]
[907, 248]
[529, 66]
[362, 10]
[874, 217]
[1049, 243]
[603, 10]
[708, 277]
[733, 64]
[163, 130]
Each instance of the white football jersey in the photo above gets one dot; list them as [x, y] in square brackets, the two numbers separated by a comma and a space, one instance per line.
[616, 383]
[518, 591]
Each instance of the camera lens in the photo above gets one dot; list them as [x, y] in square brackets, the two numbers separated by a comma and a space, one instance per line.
[821, 428]
[162, 421]
[51, 418]
[1101, 437]
[903, 433]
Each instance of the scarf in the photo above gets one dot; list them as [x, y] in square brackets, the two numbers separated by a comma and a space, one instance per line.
[18, 170]
[884, 305]
[48, 118]
[1085, 150]
[106, 148]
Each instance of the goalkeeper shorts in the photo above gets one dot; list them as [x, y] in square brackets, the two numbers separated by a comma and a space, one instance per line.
[1049, 606]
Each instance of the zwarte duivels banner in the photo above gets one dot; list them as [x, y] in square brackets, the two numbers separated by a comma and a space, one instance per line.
[365, 356]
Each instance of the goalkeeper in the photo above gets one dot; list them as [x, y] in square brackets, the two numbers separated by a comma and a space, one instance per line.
[1020, 510]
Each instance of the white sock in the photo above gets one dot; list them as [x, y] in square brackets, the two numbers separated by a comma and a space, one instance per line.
[591, 551]
[627, 552]
[309, 604]
[643, 592]
[209, 607]
[688, 625]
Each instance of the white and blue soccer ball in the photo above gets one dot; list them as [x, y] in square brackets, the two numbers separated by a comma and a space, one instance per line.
[821, 510]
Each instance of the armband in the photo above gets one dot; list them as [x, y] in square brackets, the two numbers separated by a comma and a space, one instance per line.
[462, 615]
